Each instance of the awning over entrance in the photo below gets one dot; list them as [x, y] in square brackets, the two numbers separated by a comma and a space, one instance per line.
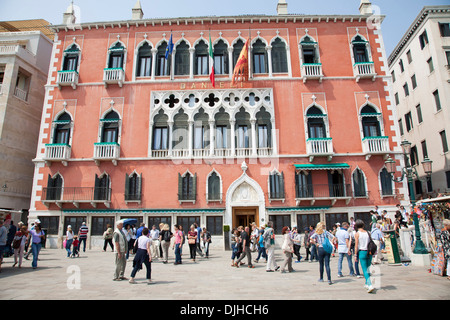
[329, 166]
[290, 209]
[172, 211]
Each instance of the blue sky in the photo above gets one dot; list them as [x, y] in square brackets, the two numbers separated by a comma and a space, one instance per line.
[399, 13]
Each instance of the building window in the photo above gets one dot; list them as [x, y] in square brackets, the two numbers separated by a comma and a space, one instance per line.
[61, 134]
[243, 139]
[263, 136]
[280, 221]
[360, 52]
[424, 149]
[408, 121]
[116, 56]
[419, 113]
[201, 58]
[214, 225]
[182, 59]
[444, 141]
[316, 124]
[333, 218]
[160, 138]
[200, 141]
[414, 156]
[259, 56]
[221, 137]
[386, 183]
[133, 187]
[414, 81]
[71, 57]
[54, 187]
[408, 55]
[418, 186]
[237, 48]
[309, 50]
[437, 100]
[406, 89]
[22, 85]
[163, 64]
[447, 53]
[402, 68]
[187, 187]
[214, 193]
[400, 124]
[429, 185]
[359, 184]
[144, 67]
[303, 185]
[445, 29]
[75, 223]
[370, 124]
[304, 221]
[220, 58]
[276, 185]
[51, 224]
[156, 221]
[397, 100]
[187, 222]
[423, 39]
[102, 187]
[279, 57]
[110, 128]
[430, 65]
[393, 76]
[101, 224]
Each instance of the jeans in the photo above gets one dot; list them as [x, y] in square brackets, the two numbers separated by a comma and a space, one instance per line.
[177, 253]
[68, 245]
[314, 252]
[308, 253]
[82, 241]
[261, 252]
[199, 249]
[366, 261]
[35, 249]
[207, 249]
[324, 260]
[356, 264]
[297, 251]
[234, 252]
[350, 264]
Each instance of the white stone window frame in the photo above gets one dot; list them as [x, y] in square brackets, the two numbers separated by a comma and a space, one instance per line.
[288, 56]
[393, 195]
[65, 54]
[101, 125]
[365, 184]
[325, 119]
[379, 118]
[368, 48]
[136, 61]
[125, 52]
[278, 173]
[207, 186]
[54, 125]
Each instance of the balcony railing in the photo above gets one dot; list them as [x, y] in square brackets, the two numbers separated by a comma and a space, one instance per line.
[133, 197]
[315, 192]
[57, 152]
[243, 152]
[176, 153]
[114, 76]
[319, 147]
[264, 152]
[163, 153]
[364, 70]
[76, 195]
[67, 78]
[223, 153]
[312, 71]
[21, 94]
[277, 195]
[106, 151]
[375, 145]
[201, 153]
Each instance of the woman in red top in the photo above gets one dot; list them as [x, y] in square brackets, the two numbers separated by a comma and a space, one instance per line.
[192, 239]
[19, 244]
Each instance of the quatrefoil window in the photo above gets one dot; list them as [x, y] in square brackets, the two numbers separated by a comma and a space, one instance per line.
[211, 100]
[231, 99]
[171, 101]
[191, 100]
[252, 99]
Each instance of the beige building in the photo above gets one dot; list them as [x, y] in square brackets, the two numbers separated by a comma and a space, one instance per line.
[25, 53]
[420, 69]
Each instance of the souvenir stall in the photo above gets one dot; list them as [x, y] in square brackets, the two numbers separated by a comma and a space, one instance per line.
[432, 213]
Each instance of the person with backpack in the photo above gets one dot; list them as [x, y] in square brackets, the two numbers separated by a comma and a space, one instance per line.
[269, 244]
[235, 241]
[107, 237]
[323, 239]
[362, 239]
[164, 237]
[19, 244]
[206, 236]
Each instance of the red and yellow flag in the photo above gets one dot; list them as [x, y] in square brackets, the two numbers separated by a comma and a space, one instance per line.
[240, 72]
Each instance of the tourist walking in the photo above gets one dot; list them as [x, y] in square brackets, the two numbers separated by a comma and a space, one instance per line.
[76, 247]
[314, 255]
[19, 244]
[254, 237]
[10, 238]
[37, 238]
[184, 238]
[318, 238]
[133, 239]
[69, 239]
[128, 233]
[361, 242]
[161, 227]
[377, 237]
[234, 245]
[120, 249]
[269, 244]
[143, 256]
[288, 249]
[82, 235]
[108, 238]
[261, 248]
[307, 245]
[164, 237]
[246, 249]
[192, 241]
[344, 243]
[178, 234]
[154, 235]
[198, 241]
[206, 236]
[3, 239]
[297, 242]
[352, 233]
[445, 239]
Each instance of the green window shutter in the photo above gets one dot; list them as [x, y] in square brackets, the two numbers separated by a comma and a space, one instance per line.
[127, 186]
[282, 184]
[139, 187]
[180, 186]
[96, 185]
[194, 187]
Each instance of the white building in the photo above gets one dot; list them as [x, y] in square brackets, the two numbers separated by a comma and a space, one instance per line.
[24, 64]
[420, 69]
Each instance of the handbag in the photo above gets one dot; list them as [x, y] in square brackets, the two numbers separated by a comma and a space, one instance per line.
[371, 246]
[191, 240]
[327, 246]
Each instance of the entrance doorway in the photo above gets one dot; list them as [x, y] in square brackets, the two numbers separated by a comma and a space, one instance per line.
[244, 216]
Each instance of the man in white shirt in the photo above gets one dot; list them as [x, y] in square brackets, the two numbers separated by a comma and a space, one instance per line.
[154, 235]
[344, 242]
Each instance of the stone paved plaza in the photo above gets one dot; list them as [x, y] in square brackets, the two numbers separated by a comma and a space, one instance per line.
[206, 279]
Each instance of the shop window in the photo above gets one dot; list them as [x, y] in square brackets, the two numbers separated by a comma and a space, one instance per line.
[214, 225]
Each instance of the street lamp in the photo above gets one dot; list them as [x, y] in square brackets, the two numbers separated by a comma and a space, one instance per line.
[410, 172]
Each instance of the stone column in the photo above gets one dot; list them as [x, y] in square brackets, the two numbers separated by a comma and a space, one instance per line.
[274, 137]
[269, 60]
[154, 51]
[191, 63]
[212, 129]
[190, 138]
[230, 62]
[170, 138]
[233, 135]
[253, 131]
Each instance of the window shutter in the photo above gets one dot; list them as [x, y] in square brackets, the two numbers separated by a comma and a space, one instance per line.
[139, 187]
[282, 185]
[180, 186]
[194, 187]
[96, 186]
[309, 187]
[297, 185]
[58, 187]
[127, 186]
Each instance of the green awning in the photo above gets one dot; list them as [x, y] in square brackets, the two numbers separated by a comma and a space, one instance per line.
[330, 166]
[290, 209]
[137, 211]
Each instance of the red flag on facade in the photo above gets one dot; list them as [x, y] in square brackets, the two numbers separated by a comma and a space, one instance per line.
[240, 72]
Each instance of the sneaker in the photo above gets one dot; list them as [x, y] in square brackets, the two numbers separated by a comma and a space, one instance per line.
[320, 280]
[277, 268]
[132, 281]
[330, 282]
[270, 271]
[340, 275]
[251, 266]
[359, 276]
[297, 261]
[370, 289]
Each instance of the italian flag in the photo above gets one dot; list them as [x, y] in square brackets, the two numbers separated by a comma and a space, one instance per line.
[211, 63]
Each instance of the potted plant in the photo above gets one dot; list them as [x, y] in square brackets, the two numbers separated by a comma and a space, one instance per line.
[226, 237]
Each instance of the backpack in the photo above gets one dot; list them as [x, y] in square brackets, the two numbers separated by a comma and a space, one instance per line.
[371, 246]
[166, 236]
[327, 246]
[16, 243]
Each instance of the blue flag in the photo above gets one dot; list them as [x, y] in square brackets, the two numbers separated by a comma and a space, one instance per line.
[169, 48]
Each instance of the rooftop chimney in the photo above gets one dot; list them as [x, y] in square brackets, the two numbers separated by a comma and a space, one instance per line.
[365, 8]
[282, 7]
[137, 13]
[69, 16]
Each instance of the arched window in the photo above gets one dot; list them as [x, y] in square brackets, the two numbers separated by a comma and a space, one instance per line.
[360, 50]
[182, 59]
[386, 183]
[370, 123]
[279, 57]
[359, 185]
[102, 187]
[110, 128]
[163, 64]
[201, 58]
[54, 187]
[276, 185]
[259, 57]
[237, 48]
[214, 187]
[144, 65]
[309, 50]
[62, 129]
[316, 124]
[220, 58]
[116, 56]
[133, 184]
[71, 57]
[303, 185]
[187, 187]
